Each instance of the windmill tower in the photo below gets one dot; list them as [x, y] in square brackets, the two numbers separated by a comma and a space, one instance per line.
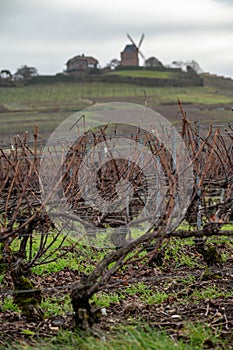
[129, 57]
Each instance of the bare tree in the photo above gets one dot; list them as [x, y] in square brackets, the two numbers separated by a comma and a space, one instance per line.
[6, 78]
[185, 64]
[25, 72]
[23, 218]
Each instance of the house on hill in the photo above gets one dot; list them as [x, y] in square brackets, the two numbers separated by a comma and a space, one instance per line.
[129, 57]
[81, 63]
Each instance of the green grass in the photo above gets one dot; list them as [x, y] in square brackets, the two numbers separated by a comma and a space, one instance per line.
[70, 96]
[145, 294]
[175, 251]
[18, 123]
[143, 337]
[103, 299]
[53, 306]
[58, 265]
[48, 105]
[227, 227]
[143, 74]
[140, 291]
[8, 305]
[210, 293]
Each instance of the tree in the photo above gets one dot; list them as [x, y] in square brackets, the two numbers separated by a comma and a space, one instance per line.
[25, 73]
[153, 62]
[5, 74]
[5, 78]
[184, 65]
[114, 63]
[178, 64]
[194, 65]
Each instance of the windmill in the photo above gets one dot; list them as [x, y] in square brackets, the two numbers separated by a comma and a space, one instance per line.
[129, 57]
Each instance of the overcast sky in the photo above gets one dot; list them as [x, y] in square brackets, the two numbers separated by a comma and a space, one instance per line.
[46, 33]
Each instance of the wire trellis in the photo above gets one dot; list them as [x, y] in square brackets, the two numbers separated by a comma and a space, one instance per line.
[23, 213]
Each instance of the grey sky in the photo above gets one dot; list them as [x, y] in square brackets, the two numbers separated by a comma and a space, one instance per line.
[46, 33]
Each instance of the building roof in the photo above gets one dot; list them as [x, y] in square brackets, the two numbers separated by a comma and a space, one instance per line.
[130, 47]
[88, 59]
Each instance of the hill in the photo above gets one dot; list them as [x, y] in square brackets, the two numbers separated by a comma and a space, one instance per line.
[155, 76]
[48, 102]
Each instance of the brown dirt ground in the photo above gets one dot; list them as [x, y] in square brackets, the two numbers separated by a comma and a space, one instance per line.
[172, 315]
[204, 113]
